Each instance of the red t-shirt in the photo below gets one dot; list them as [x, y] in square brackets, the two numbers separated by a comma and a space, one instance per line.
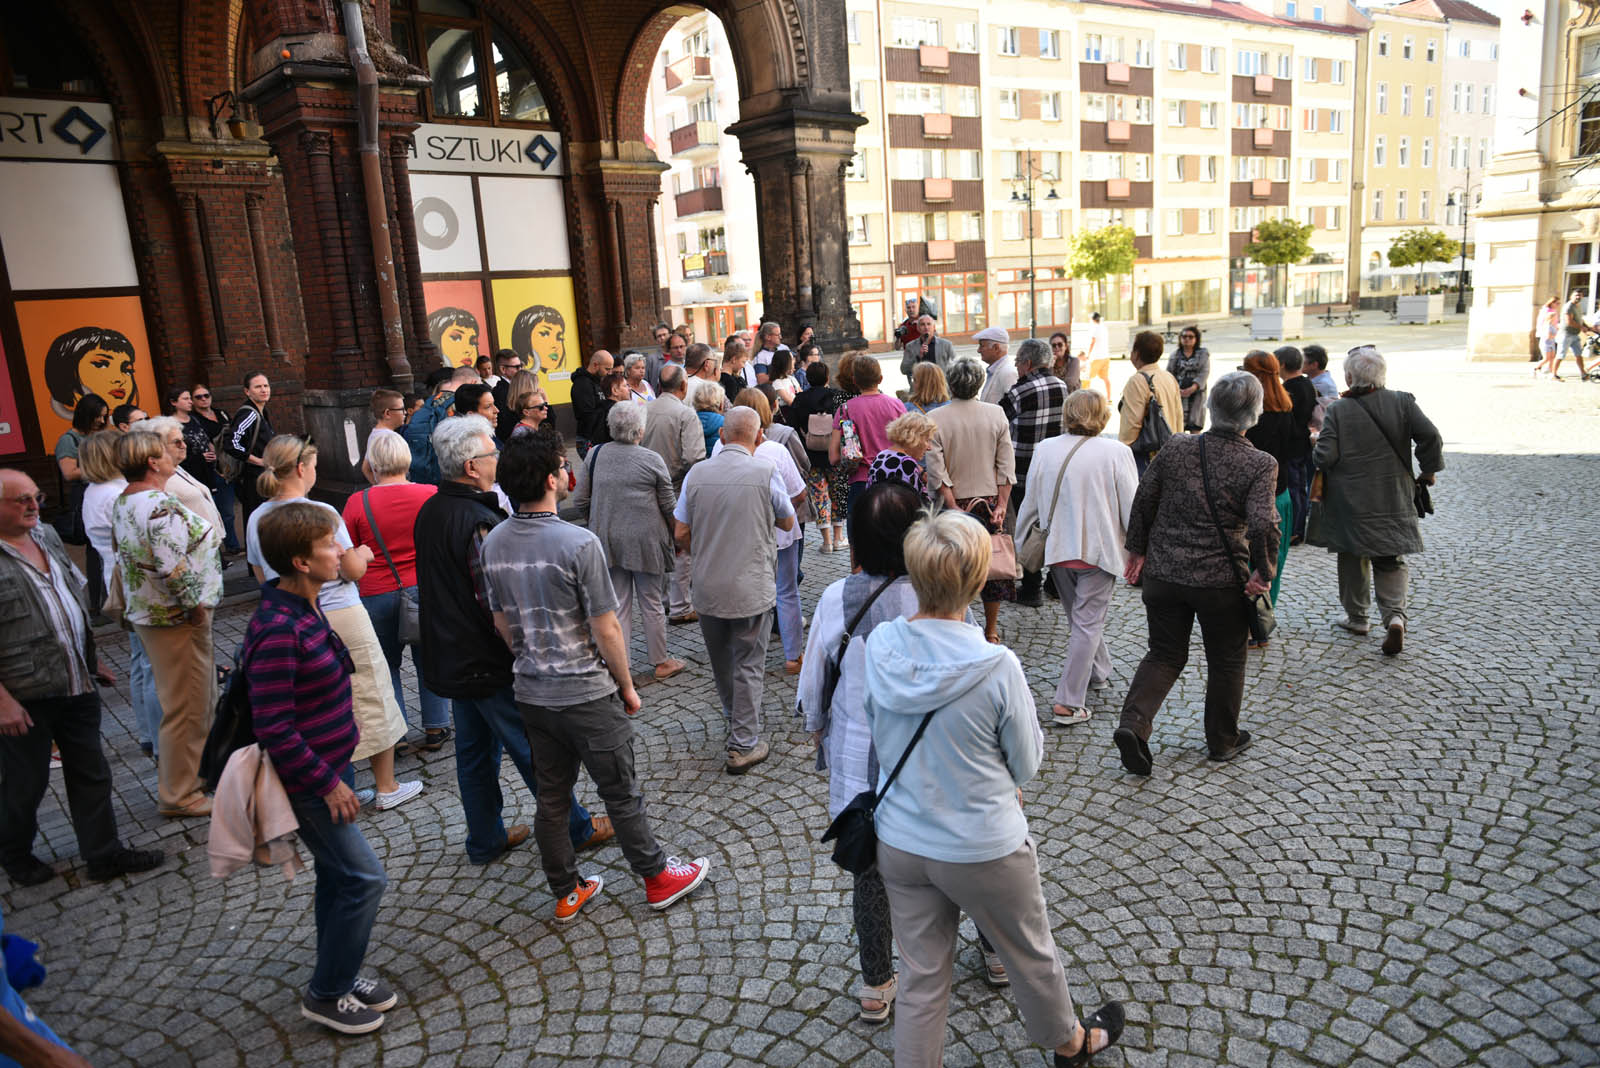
[395, 508]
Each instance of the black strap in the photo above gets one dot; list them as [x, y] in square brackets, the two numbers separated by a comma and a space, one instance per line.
[1227, 547]
[376, 533]
[1401, 454]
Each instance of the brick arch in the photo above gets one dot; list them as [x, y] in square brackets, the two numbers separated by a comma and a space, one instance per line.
[212, 35]
[127, 56]
[575, 102]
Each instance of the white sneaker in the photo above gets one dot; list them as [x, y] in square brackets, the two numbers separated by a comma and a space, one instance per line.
[402, 793]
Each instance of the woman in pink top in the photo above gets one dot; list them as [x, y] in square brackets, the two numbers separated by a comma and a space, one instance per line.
[870, 412]
[382, 518]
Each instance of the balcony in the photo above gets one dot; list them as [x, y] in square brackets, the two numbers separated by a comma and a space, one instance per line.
[704, 265]
[938, 189]
[1119, 73]
[933, 57]
[941, 251]
[682, 74]
[695, 139]
[699, 201]
[1118, 188]
[1261, 137]
[1263, 84]
[1119, 132]
[1260, 188]
[937, 126]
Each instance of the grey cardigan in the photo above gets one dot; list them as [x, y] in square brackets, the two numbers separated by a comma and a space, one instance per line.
[625, 496]
[1366, 507]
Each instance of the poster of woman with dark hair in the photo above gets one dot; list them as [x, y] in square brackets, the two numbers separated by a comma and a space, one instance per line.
[540, 333]
[455, 334]
[90, 359]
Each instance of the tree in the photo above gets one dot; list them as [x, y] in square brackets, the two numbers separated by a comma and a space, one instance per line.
[1279, 243]
[1099, 254]
[1421, 247]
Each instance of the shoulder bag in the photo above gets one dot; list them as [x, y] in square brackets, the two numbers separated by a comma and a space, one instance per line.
[833, 666]
[853, 832]
[229, 466]
[1258, 609]
[1421, 499]
[1030, 547]
[232, 727]
[850, 454]
[1154, 431]
[410, 604]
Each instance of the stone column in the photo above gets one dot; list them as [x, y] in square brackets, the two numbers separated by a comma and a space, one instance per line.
[619, 287]
[264, 285]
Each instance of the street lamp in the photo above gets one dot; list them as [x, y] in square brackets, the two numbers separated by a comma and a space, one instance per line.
[1461, 274]
[1024, 195]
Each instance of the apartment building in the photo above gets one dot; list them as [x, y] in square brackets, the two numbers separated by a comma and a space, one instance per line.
[709, 282]
[995, 131]
[1468, 103]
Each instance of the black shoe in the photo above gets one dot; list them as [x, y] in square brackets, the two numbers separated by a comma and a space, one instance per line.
[374, 995]
[1135, 751]
[348, 1015]
[1108, 1018]
[125, 861]
[1051, 592]
[1245, 738]
[1030, 599]
[30, 872]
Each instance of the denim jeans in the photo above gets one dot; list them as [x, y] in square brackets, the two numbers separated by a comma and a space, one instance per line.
[789, 607]
[350, 884]
[484, 727]
[142, 695]
[385, 612]
[222, 496]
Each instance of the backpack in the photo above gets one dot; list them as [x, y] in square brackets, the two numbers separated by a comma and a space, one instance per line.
[419, 435]
[229, 466]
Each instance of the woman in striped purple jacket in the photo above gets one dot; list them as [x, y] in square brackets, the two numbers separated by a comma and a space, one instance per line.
[298, 673]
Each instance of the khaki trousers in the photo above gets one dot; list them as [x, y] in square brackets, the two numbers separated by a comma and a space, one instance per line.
[186, 684]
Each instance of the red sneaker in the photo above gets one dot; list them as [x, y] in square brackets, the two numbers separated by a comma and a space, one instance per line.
[567, 908]
[674, 881]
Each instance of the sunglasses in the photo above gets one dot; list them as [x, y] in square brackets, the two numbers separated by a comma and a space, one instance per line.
[200, 396]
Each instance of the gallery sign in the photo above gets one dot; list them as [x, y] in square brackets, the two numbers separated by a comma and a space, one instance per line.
[56, 129]
[442, 148]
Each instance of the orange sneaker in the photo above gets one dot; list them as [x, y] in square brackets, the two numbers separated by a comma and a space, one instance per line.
[567, 908]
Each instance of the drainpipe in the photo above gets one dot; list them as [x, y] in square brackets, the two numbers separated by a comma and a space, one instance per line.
[394, 338]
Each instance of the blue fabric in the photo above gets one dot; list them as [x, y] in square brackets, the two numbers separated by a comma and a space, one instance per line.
[350, 885]
[223, 496]
[419, 435]
[11, 1001]
[22, 964]
[789, 608]
[385, 612]
[142, 694]
[485, 727]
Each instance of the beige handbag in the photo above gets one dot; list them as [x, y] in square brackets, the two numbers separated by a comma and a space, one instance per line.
[1003, 558]
[116, 596]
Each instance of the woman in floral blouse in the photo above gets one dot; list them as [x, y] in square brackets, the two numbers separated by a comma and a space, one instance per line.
[170, 562]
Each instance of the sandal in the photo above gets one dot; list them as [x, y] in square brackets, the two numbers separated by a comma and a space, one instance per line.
[1108, 1018]
[994, 970]
[883, 996]
[992, 637]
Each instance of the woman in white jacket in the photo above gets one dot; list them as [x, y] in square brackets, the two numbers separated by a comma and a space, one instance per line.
[1086, 527]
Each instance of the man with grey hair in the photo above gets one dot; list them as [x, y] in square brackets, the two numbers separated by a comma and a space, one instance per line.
[461, 655]
[993, 343]
[727, 515]
[926, 347]
[1033, 408]
[771, 345]
[672, 431]
[1369, 512]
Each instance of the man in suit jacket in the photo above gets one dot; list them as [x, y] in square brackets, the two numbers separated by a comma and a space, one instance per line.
[672, 430]
[929, 347]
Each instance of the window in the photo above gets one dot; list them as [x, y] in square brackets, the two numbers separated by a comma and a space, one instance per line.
[1383, 44]
[1208, 114]
[966, 164]
[966, 37]
[1466, 98]
[1377, 205]
[1249, 62]
[1280, 168]
[856, 170]
[916, 163]
[1427, 151]
[1427, 102]
[967, 101]
[1050, 107]
[1291, 9]
[1379, 154]
[1403, 153]
[1050, 224]
[1093, 48]
[858, 97]
[1010, 165]
[704, 109]
[1422, 204]
[1176, 111]
[1208, 220]
[1211, 60]
[1464, 49]
[918, 98]
[1311, 69]
[1094, 107]
[1336, 122]
[1494, 49]
[1143, 110]
[1308, 216]
[1316, 13]
[1483, 158]
[1400, 206]
[1011, 225]
[1201, 296]
[909, 32]
[1049, 44]
[853, 27]
[1098, 166]
[1335, 222]
[1338, 72]
[1010, 104]
[1308, 169]
[1007, 45]
[1455, 143]
[465, 85]
[1488, 99]
[859, 234]
[1174, 168]
[1337, 173]
[1177, 55]
[1141, 168]
[1405, 100]
[1455, 97]
[1249, 168]
[1285, 65]
[1174, 223]
[1406, 48]
[1308, 120]
[932, 226]
[1383, 98]
[1143, 55]
[1433, 50]
[1589, 129]
[972, 226]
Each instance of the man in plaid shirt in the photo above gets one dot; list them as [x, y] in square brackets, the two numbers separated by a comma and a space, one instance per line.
[1033, 407]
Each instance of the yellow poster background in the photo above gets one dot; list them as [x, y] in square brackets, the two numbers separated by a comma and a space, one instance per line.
[43, 322]
[549, 344]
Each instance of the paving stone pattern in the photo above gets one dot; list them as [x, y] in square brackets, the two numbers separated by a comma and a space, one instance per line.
[1402, 871]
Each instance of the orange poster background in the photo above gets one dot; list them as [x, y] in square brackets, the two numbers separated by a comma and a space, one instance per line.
[41, 322]
[465, 295]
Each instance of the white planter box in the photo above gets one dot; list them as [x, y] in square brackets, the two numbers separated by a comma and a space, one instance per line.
[1277, 323]
[1420, 308]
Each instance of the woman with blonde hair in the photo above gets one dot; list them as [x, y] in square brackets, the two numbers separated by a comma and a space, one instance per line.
[1080, 490]
[515, 413]
[955, 715]
[909, 437]
[289, 471]
[928, 389]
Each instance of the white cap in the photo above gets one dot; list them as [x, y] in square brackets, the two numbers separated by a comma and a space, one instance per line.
[993, 333]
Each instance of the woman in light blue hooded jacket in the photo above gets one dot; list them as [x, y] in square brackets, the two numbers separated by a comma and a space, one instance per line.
[951, 833]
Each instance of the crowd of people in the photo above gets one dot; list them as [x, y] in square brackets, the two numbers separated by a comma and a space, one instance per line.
[513, 577]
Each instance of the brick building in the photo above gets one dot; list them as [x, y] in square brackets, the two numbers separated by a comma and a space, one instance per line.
[197, 190]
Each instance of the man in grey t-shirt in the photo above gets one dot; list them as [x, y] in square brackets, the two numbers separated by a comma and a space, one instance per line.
[547, 584]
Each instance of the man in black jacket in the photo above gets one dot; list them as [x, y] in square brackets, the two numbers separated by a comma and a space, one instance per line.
[462, 655]
[588, 397]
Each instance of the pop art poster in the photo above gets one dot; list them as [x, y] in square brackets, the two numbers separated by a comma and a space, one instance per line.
[10, 419]
[83, 345]
[457, 321]
[538, 318]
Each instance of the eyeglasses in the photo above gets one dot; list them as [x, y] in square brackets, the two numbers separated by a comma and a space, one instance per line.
[177, 443]
[22, 500]
[485, 455]
[398, 408]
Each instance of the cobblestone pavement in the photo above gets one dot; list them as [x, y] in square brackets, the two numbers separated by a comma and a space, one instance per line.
[1402, 871]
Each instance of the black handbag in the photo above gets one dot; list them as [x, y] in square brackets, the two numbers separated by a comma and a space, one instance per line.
[1154, 431]
[853, 831]
[410, 621]
[1258, 608]
[832, 667]
[231, 728]
[1421, 499]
